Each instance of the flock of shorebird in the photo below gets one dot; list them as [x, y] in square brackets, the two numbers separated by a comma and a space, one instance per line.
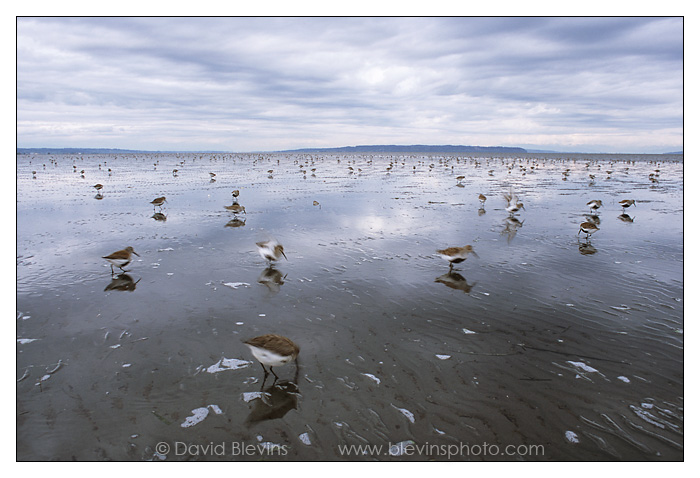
[591, 225]
[275, 350]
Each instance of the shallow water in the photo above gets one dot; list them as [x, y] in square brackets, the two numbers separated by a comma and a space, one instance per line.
[566, 348]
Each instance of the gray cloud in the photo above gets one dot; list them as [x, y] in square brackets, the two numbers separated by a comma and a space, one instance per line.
[245, 84]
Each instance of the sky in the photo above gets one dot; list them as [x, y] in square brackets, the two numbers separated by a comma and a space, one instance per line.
[600, 84]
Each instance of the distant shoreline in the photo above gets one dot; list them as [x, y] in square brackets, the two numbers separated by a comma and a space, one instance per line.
[449, 149]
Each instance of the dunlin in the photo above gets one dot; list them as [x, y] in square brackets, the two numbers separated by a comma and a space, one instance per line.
[594, 205]
[587, 227]
[271, 250]
[273, 350]
[235, 194]
[482, 198]
[625, 203]
[513, 204]
[455, 255]
[98, 186]
[159, 201]
[120, 259]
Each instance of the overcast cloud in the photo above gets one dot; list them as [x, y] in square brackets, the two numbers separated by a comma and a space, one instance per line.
[265, 84]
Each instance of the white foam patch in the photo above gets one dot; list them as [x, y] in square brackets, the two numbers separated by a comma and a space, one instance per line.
[571, 436]
[227, 364]
[372, 377]
[443, 357]
[406, 413]
[236, 285]
[26, 341]
[199, 414]
[305, 439]
[582, 366]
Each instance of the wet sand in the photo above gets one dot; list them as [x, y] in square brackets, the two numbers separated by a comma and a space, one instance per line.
[567, 348]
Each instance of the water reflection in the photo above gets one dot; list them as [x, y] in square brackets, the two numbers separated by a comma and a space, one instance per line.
[625, 218]
[123, 282]
[272, 279]
[593, 219]
[274, 402]
[159, 216]
[586, 248]
[482, 211]
[512, 224]
[99, 196]
[236, 222]
[235, 208]
[455, 280]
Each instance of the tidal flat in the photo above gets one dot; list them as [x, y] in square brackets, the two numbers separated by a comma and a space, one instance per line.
[547, 346]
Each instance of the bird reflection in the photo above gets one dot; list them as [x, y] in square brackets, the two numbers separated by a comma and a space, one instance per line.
[482, 211]
[455, 280]
[159, 216]
[272, 279]
[512, 224]
[235, 222]
[99, 196]
[586, 248]
[122, 282]
[593, 219]
[235, 208]
[625, 218]
[275, 402]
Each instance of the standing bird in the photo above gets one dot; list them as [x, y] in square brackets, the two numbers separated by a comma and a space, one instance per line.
[587, 227]
[271, 250]
[625, 203]
[235, 194]
[120, 259]
[482, 198]
[594, 205]
[273, 350]
[98, 186]
[158, 201]
[455, 255]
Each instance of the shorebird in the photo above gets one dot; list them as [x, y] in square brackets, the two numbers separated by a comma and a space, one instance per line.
[482, 198]
[625, 203]
[273, 350]
[513, 204]
[455, 255]
[235, 194]
[587, 227]
[460, 179]
[212, 175]
[120, 259]
[271, 250]
[98, 186]
[594, 205]
[159, 201]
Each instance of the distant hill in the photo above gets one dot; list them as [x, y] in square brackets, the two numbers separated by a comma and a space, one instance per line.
[416, 148]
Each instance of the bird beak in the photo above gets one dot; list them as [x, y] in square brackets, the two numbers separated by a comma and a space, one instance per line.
[285, 255]
[136, 254]
[477, 255]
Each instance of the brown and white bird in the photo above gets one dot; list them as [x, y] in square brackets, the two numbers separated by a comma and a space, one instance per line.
[120, 259]
[98, 186]
[588, 227]
[159, 201]
[625, 203]
[271, 250]
[594, 205]
[455, 255]
[273, 350]
[482, 198]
